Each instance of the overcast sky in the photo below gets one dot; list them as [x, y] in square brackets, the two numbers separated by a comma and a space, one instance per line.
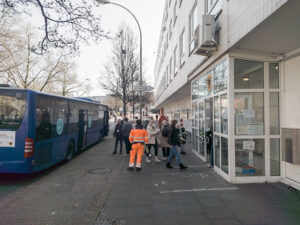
[149, 14]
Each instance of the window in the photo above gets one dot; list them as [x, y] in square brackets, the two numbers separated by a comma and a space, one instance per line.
[175, 60]
[249, 113]
[224, 114]
[217, 150]
[12, 109]
[182, 46]
[275, 156]
[248, 74]
[170, 29]
[221, 77]
[224, 154]
[274, 75]
[175, 13]
[217, 114]
[171, 69]
[213, 6]
[274, 113]
[250, 157]
[192, 26]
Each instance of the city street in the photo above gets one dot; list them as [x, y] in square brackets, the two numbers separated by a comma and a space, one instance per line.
[96, 189]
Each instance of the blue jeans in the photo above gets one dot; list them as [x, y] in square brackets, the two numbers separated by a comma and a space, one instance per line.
[173, 151]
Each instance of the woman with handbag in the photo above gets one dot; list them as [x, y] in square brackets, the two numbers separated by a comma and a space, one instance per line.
[152, 141]
[163, 137]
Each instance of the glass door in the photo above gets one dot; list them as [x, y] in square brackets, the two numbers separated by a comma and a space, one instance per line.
[201, 125]
[208, 128]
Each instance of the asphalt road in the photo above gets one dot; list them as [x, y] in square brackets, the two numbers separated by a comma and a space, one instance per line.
[71, 193]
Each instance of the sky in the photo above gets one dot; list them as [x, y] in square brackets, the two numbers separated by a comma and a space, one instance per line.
[149, 14]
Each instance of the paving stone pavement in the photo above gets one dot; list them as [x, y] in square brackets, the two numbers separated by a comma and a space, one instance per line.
[198, 195]
[95, 188]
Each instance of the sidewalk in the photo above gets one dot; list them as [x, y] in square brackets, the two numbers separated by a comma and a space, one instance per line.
[198, 195]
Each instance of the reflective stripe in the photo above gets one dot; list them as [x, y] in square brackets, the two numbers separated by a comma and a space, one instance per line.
[138, 165]
[131, 164]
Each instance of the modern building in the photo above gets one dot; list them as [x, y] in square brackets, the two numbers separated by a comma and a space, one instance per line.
[233, 67]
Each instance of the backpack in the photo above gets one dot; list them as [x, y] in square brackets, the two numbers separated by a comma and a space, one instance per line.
[165, 131]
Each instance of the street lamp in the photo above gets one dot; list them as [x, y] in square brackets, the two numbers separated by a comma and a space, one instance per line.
[141, 46]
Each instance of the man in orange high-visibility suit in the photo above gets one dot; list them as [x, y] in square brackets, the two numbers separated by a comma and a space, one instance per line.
[138, 137]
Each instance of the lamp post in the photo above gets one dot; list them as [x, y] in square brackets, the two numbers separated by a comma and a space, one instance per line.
[141, 46]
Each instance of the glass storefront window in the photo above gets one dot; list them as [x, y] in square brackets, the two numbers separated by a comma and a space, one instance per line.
[217, 150]
[275, 156]
[221, 77]
[224, 154]
[274, 75]
[194, 90]
[202, 87]
[249, 113]
[224, 115]
[248, 74]
[193, 113]
[274, 113]
[250, 157]
[209, 83]
[217, 114]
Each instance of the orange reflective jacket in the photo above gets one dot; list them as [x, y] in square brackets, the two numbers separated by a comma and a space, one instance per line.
[138, 136]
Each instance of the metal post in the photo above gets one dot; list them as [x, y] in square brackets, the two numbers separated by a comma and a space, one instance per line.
[141, 51]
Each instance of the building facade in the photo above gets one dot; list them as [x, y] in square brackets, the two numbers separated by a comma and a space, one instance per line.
[243, 84]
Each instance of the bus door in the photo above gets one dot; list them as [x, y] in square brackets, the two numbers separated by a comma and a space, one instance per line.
[82, 129]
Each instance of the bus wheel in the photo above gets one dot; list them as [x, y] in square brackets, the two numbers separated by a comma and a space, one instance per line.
[70, 152]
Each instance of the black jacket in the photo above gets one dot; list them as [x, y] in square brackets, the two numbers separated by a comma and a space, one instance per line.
[118, 131]
[173, 136]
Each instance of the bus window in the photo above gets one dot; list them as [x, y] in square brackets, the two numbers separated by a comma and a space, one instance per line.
[12, 109]
[44, 116]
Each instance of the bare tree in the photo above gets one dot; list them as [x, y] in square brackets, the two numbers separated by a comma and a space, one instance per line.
[65, 22]
[121, 69]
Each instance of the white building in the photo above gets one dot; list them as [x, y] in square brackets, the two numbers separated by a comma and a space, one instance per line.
[243, 82]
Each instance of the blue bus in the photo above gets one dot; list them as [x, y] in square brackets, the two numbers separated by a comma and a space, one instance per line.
[38, 130]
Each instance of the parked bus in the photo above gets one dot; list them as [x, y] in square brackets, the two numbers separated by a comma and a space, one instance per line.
[38, 130]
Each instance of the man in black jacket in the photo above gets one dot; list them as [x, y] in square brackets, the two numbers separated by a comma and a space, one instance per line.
[118, 135]
[127, 126]
[173, 140]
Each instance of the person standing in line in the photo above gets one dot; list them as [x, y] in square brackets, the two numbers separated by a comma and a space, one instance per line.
[127, 127]
[173, 140]
[163, 136]
[152, 141]
[118, 135]
[161, 119]
[156, 117]
[209, 146]
[138, 137]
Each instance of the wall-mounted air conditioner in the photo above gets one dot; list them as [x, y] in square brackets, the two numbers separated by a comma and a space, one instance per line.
[204, 36]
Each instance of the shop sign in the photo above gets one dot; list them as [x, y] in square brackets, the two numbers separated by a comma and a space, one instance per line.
[249, 145]
[7, 139]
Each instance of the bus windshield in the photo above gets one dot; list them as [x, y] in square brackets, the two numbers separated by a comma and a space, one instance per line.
[12, 108]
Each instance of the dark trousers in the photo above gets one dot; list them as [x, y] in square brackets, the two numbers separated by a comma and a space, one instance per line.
[149, 146]
[127, 144]
[116, 144]
[166, 152]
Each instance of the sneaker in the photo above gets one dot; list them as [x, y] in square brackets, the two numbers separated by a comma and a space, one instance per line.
[150, 156]
[182, 167]
[164, 158]
[148, 160]
[183, 153]
[114, 152]
[157, 160]
[138, 169]
[130, 168]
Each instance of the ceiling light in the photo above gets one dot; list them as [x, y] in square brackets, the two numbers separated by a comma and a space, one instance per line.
[246, 79]
[276, 67]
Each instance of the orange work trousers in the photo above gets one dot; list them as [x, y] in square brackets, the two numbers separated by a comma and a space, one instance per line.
[138, 149]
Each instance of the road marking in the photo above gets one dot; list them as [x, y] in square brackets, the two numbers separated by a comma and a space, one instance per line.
[199, 189]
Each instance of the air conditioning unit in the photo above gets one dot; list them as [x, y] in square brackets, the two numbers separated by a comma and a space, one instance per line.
[204, 36]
